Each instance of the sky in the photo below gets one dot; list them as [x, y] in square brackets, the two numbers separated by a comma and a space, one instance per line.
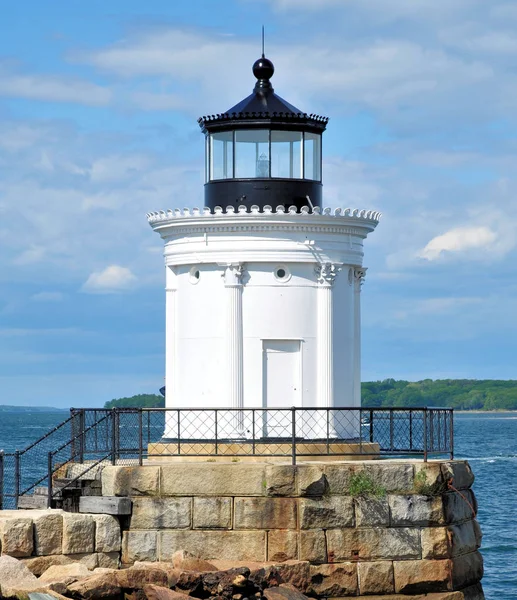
[98, 109]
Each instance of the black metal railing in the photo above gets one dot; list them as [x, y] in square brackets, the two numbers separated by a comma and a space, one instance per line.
[90, 438]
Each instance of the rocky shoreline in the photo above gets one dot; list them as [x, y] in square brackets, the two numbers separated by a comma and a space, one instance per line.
[185, 577]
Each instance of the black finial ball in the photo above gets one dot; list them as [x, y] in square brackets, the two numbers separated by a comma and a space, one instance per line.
[263, 68]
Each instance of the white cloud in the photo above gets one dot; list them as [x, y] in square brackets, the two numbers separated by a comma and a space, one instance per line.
[53, 89]
[48, 297]
[112, 279]
[460, 239]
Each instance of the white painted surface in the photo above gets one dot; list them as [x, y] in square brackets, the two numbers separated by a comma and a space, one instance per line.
[218, 323]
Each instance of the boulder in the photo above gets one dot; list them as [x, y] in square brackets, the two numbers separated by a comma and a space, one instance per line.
[168, 568]
[40, 564]
[335, 580]
[155, 592]
[14, 573]
[195, 564]
[65, 573]
[136, 577]
[96, 587]
[284, 593]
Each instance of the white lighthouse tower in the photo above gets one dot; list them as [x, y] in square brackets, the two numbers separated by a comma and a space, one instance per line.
[263, 284]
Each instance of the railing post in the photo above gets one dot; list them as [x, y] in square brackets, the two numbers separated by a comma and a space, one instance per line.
[216, 432]
[425, 434]
[1, 479]
[328, 430]
[17, 474]
[140, 437]
[49, 486]
[113, 437]
[451, 427]
[253, 431]
[293, 433]
[179, 432]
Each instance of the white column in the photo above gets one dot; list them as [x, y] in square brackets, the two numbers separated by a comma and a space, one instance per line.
[234, 346]
[326, 274]
[359, 274]
[171, 371]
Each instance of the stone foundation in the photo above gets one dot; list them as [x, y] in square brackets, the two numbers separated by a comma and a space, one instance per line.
[366, 528]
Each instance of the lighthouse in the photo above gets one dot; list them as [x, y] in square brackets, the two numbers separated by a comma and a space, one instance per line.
[263, 284]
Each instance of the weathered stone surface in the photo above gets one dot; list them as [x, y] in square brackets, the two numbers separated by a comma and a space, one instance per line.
[433, 478]
[230, 582]
[212, 513]
[415, 510]
[65, 573]
[313, 546]
[135, 578]
[295, 573]
[265, 513]
[105, 505]
[460, 473]
[312, 480]
[139, 545]
[435, 542]
[78, 533]
[280, 480]
[334, 580]
[108, 560]
[376, 577]
[14, 573]
[96, 587]
[464, 538]
[236, 545]
[155, 592]
[459, 507]
[282, 545]
[131, 481]
[283, 593]
[467, 569]
[172, 572]
[338, 477]
[16, 536]
[327, 513]
[474, 592]
[373, 544]
[422, 576]
[193, 564]
[161, 513]
[40, 564]
[372, 512]
[212, 479]
[397, 477]
[48, 533]
[107, 534]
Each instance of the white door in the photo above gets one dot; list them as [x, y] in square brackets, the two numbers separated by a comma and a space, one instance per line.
[282, 384]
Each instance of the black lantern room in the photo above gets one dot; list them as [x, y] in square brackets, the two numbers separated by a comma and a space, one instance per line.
[263, 151]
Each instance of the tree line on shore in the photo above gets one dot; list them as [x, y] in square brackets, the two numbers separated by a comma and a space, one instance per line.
[462, 394]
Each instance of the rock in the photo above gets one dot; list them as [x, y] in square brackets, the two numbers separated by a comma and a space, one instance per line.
[459, 507]
[48, 533]
[78, 533]
[435, 542]
[460, 473]
[326, 513]
[392, 477]
[131, 481]
[16, 536]
[139, 546]
[107, 560]
[295, 572]
[189, 582]
[14, 573]
[338, 477]
[313, 546]
[161, 513]
[264, 513]
[227, 583]
[312, 481]
[212, 513]
[135, 578]
[373, 544]
[372, 512]
[280, 480]
[375, 577]
[65, 573]
[155, 592]
[40, 564]
[415, 510]
[96, 587]
[422, 576]
[333, 580]
[107, 534]
[172, 573]
[467, 569]
[282, 545]
[283, 593]
[195, 564]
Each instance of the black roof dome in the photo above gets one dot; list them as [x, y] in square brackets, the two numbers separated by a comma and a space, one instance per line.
[262, 107]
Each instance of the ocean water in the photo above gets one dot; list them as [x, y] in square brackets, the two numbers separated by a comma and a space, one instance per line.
[488, 441]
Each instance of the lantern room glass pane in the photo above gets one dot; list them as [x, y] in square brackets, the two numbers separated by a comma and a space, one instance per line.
[286, 154]
[252, 154]
[312, 156]
[221, 155]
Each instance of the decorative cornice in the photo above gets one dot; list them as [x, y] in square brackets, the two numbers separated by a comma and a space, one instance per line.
[187, 213]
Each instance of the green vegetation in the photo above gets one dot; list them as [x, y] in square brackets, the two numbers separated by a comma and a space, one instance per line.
[462, 394]
[424, 488]
[140, 400]
[361, 484]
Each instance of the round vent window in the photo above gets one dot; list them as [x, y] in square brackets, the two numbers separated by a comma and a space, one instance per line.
[282, 273]
[194, 275]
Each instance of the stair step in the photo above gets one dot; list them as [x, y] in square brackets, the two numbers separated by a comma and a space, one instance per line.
[32, 502]
[43, 491]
